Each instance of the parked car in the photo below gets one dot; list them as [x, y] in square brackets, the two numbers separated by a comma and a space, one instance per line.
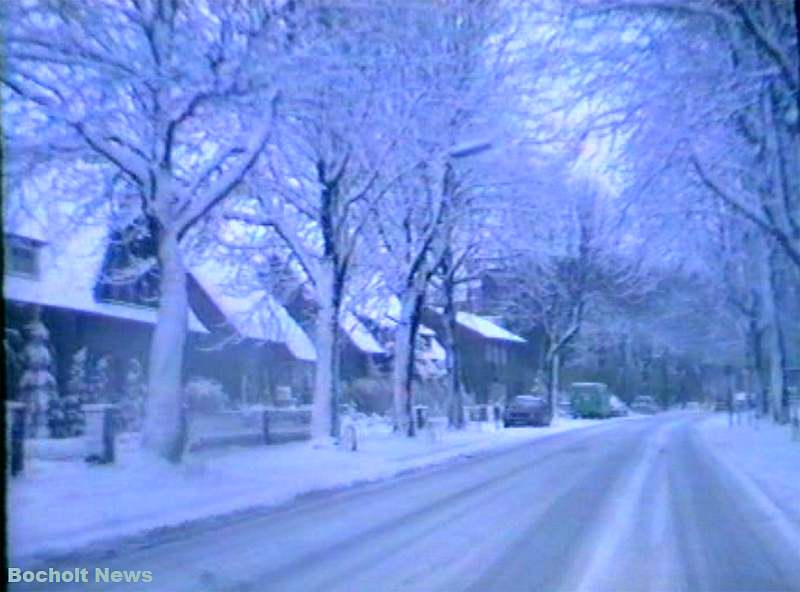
[693, 406]
[645, 404]
[618, 407]
[590, 400]
[527, 410]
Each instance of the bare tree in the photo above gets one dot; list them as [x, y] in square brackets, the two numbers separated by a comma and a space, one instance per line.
[577, 259]
[730, 133]
[174, 99]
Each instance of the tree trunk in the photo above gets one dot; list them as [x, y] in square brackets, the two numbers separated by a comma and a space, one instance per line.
[455, 394]
[779, 395]
[757, 364]
[553, 378]
[164, 430]
[322, 424]
[403, 370]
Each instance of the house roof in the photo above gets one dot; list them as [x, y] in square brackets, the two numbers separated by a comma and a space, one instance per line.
[26, 226]
[69, 264]
[360, 335]
[486, 328]
[386, 311]
[253, 313]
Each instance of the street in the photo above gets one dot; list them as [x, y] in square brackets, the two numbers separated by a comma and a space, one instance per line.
[627, 505]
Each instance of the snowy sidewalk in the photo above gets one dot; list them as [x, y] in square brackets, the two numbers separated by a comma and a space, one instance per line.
[58, 506]
[765, 453]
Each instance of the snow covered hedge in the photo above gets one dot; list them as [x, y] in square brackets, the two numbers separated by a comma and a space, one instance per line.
[206, 395]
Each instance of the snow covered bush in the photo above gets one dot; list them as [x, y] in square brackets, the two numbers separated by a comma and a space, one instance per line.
[431, 393]
[130, 408]
[65, 417]
[76, 384]
[371, 394]
[206, 395]
[37, 385]
[100, 382]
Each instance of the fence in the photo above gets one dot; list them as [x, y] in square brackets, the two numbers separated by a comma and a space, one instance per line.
[483, 413]
[283, 424]
[222, 428]
[257, 425]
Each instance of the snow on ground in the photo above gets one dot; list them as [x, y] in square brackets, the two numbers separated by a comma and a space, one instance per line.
[764, 452]
[58, 506]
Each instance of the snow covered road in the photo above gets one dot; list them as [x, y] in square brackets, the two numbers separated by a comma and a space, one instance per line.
[639, 505]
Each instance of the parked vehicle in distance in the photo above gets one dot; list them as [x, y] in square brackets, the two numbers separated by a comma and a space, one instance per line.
[693, 406]
[530, 410]
[618, 407]
[645, 404]
[590, 400]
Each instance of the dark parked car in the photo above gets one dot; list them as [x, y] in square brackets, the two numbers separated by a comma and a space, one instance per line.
[527, 410]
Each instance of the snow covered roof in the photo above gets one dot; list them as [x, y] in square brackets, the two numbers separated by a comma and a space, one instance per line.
[385, 311]
[436, 351]
[486, 328]
[70, 262]
[360, 335]
[253, 313]
[26, 226]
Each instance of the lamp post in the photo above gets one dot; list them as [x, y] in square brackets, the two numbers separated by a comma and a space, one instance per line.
[455, 403]
[465, 150]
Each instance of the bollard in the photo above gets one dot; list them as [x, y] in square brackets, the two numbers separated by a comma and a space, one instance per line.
[349, 437]
[99, 433]
[498, 413]
[420, 416]
[15, 437]
[265, 426]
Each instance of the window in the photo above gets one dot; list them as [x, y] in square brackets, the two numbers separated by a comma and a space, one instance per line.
[22, 256]
[496, 354]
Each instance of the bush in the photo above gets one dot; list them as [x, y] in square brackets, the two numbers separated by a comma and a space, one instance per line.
[371, 395]
[37, 385]
[130, 408]
[65, 417]
[206, 395]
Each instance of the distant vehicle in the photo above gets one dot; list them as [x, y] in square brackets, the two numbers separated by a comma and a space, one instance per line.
[590, 400]
[527, 410]
[693, 406]
[618, 407]
[645, 404]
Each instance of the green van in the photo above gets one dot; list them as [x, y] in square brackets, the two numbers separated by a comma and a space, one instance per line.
[591, 400]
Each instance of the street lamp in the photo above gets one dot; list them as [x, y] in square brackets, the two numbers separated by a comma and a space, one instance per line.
[465, 150]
